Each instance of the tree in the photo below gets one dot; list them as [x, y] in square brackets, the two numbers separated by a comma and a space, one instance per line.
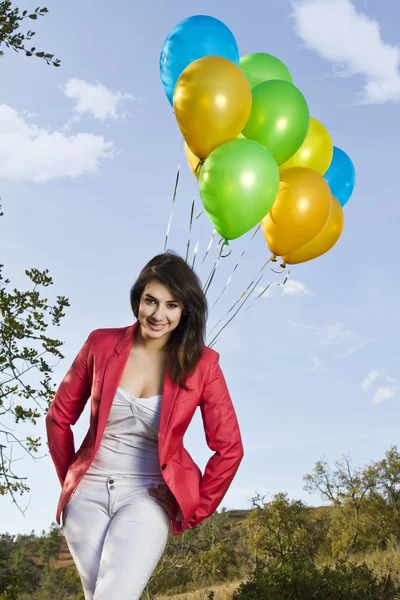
[51, 545]
[281, 532]
[25, 351]
[219, 563]
[366, 503]
[23, 575]
[11, 37]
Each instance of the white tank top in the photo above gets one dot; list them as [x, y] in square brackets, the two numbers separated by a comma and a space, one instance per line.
[129, 447]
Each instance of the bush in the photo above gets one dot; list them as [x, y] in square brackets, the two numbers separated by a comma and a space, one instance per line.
[347, 581]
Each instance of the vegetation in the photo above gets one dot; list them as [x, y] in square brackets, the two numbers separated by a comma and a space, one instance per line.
[25, 353]
[25, 344]
[11, 36]
[281, 549]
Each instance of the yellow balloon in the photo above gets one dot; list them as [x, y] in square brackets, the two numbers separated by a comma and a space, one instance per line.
[212, 103]
[324, 241]
[300, 211]
[315, 152]
[194, 162]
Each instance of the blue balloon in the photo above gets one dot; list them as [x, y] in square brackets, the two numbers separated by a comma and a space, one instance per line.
[191, 39]
[341, 176]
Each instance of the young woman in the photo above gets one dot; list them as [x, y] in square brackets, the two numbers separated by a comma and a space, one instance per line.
[132, 479]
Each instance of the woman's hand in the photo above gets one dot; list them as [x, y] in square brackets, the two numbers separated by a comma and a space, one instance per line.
[164, 497]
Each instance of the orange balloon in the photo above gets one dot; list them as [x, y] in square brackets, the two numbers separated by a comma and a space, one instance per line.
[212, 103]
[194, 162]
[324, 241]
[300, 211]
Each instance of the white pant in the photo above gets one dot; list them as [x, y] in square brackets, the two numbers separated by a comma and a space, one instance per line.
[116, 533]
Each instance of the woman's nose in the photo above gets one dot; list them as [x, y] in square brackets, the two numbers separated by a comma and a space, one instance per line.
[159, 313]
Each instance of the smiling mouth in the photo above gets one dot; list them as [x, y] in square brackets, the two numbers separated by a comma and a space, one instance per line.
[156, 326]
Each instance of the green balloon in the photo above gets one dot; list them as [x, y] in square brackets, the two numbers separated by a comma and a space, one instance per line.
[259, 67]
[279, 118]
[238, 182]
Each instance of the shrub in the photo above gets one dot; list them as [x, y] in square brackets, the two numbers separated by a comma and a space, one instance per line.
[347, 581]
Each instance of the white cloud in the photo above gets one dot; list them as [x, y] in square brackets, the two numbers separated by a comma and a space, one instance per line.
[316, 365]
[370, 380]
[336, 334]
[295, 288]
[292, 287]
[30, 153]
[384, 393]
[96, 99]
[349, 352]
[352, 42]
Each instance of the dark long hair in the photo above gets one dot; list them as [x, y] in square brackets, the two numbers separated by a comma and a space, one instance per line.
[185, 345]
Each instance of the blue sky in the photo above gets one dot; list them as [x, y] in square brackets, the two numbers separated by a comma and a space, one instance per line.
[89, 153]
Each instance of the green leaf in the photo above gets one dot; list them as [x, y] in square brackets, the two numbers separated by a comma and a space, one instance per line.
[34, 17]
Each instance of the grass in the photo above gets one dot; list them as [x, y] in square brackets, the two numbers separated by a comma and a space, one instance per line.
[222, 592]
[383, 562]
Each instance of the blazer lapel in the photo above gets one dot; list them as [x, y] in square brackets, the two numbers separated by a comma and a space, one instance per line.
[169, 394]
[114, 368]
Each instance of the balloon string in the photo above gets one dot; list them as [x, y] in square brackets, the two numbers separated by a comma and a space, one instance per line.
[190, 228]
[209, 279]
[198, 241]
[215, 339]
[211, 275]
[236, 266]
[209, 246]
[199, 164]
[271, 283]
[278, 284]
[258, 277]
[173, 199]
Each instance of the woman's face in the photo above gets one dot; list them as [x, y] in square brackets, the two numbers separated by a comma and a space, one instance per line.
[159, 312]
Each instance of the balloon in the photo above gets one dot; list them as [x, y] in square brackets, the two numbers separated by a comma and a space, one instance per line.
[238, 185]
[279, 118]
[195, 163]
[315, 152]
[194, 38]
[300, 211]
[212, 102]
[341, 176]
[259, 67]
[324, 241]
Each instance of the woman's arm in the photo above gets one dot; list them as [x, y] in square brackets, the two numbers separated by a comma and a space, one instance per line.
[223, 436]
[65, 409]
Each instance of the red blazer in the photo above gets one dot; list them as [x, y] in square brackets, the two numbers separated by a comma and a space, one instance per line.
[96, 373]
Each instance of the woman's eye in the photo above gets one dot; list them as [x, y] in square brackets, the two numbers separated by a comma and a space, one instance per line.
[173, 306]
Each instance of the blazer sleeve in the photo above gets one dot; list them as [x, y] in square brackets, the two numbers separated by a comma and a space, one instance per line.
[223, 436]
[65, 409]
